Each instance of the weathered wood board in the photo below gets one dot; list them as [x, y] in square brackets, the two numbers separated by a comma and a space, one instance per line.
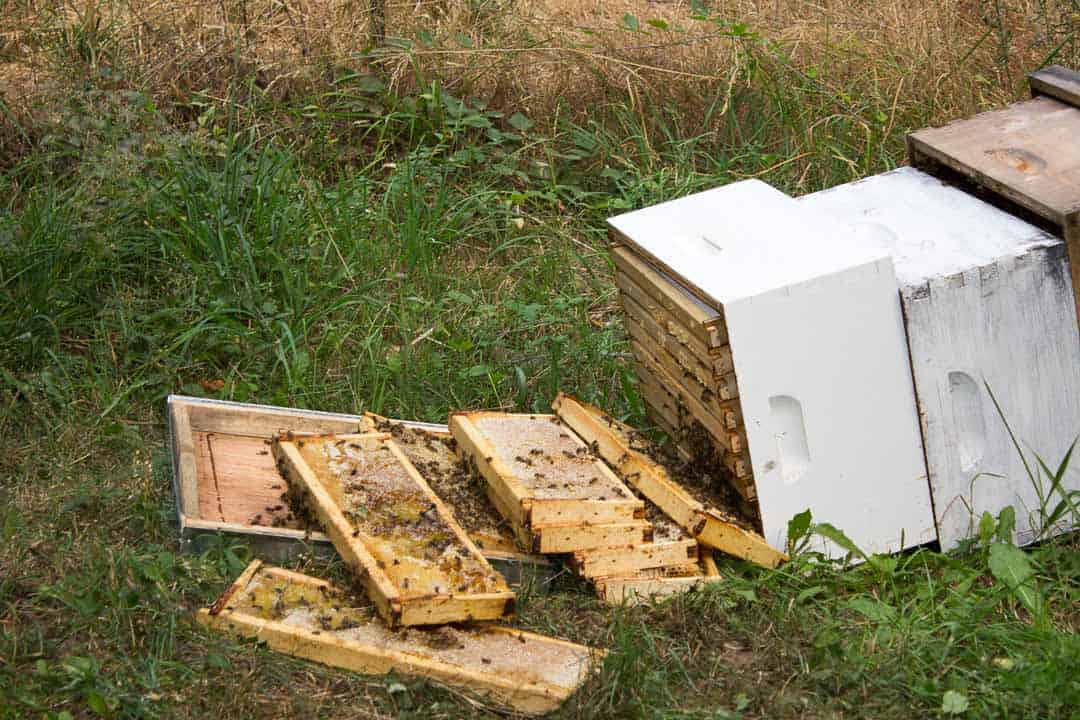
[1026, 153]
[988, 302]
[618, 447]
[1057, 82]
[309, 618]
[817, 341]
[548, 484]
[226, 483]
[405, 547]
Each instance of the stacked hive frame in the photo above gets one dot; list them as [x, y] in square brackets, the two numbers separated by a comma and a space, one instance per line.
[400, 540]
[555, 489]
[683, 359]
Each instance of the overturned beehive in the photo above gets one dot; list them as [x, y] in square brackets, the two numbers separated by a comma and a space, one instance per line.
[772, 328]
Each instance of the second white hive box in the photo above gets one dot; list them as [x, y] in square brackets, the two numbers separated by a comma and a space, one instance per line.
[989, 303]
[817, 341]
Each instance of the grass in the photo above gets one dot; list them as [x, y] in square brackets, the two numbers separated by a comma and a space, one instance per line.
[196, 201]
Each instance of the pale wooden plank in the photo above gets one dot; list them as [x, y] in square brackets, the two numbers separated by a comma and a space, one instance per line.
[265, 420]
[540, 473]
[185, 474]
[602, 562]
[637, 590]
[518, 670]
[571, 538]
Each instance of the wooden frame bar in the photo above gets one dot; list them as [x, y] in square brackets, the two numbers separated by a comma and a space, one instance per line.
[686, 372]
[626, 560]
[1057, 82]
[707, 525]
[705, 371]
[731, 441]
[384, 563]
[638, 590]
[706, 321]
[517, 670]
[716, 358]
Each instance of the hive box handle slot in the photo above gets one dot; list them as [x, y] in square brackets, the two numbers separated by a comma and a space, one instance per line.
[790, 429]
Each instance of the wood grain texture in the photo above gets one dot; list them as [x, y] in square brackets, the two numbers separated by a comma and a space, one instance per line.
[617, 561]
[638, 590]
[702, 318]
[1027, 152]
[572, 538]
[185, 472]
[1006, 326]
[518, 670]
[988, 305]
[714, 360]
[541, 474]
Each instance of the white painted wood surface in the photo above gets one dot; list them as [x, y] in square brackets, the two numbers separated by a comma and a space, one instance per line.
[818, 346]
[988, 300]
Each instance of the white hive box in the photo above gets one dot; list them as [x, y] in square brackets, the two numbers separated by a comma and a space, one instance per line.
[988, 301]
[817, 342]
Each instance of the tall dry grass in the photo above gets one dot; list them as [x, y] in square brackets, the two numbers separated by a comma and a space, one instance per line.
[912, 60]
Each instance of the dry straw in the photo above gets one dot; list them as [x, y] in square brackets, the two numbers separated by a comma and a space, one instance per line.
[544, 58]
